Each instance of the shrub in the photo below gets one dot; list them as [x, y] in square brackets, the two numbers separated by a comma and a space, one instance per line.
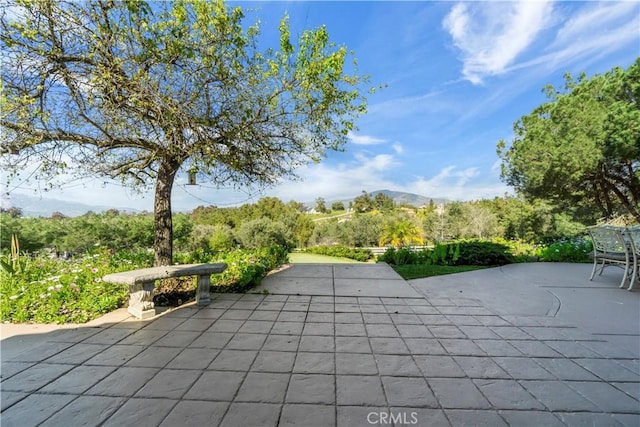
[401, 256]
[358, 254]
[566, 250]
[264, 232]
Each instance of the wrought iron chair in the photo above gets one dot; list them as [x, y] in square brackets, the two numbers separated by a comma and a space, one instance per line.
[633, 234]
[611, 248]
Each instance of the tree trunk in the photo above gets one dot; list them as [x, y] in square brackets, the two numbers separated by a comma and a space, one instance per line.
[163, 245]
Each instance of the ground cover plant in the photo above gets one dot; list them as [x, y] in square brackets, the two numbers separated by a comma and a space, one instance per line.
[358, 254]
[47, 290]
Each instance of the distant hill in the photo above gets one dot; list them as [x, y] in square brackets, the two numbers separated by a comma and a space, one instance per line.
[399, 198]
[39, 206]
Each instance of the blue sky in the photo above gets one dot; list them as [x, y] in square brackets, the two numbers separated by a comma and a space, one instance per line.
[457, 76]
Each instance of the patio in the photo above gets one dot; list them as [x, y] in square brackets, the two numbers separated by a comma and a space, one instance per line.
[347, 345]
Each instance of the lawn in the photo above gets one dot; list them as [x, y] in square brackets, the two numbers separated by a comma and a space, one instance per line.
[301, 257]
[417, 271]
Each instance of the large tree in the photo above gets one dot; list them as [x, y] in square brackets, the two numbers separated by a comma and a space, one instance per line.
[143, 90]
[582, 147]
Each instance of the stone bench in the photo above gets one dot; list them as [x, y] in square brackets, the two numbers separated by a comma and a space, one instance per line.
[142, 284]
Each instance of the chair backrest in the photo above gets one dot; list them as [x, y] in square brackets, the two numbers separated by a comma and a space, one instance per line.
[608, 239]
[633, 233]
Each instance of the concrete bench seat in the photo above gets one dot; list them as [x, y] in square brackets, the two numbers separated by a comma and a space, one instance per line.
[142, 284]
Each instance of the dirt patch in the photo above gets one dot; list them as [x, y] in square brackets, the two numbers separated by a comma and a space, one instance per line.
[175, 292]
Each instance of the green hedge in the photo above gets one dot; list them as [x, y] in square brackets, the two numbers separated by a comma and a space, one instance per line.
[358, 254]
[471, 252]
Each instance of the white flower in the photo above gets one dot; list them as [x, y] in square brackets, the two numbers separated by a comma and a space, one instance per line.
[12, 297]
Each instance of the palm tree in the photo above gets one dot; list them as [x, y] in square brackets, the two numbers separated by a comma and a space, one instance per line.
[400, 233]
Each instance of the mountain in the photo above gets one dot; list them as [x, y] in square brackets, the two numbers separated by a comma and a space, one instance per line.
[399, 198]
[38, 206]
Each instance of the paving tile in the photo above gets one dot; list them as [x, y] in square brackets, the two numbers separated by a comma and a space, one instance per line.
[40, 352]
[425, 346]
[320, 317]
[497, 348]
[274, 361]
[608, 369]
[270, 306]
[406, 391]
[315, 363]
[511, 333]
[607, 397]
[439, 367]
[566, 369]
[369, 300]
[307, 415]
[236, 315]
[418, 416]
[138, 411]
[123, 382]
[377, 318]
[177, 339]
[346, 307]
[461, 347]
[458, 393]
[9, 369]
[355, 364]
[352, 345]
[34, 409]
[316, 343]
[264, 315]
[480, 367]
[246, 342]
[532, 348]
[299, 298]
[263, 387]
[388, 346]
[287, 328]
[588, 418]
[359, 390]
[557, 396]
[154, 357]
[233, 360]
[217, 340]
[380, 330]
[572, 349]
[492, 321]
[226, 326]
[531, 418]
[627, 420]
[372, 308]
[169, 383]
[252, 414]
[256, 327]
[424, 309]
[358, 416]
[78, 380]
[321, 308]
[350, 329]
[35, 377]
[475, 418]
[318, 329]
[413, 331]
[85, 411]
[479, 332]
[116, 355]
[208, 313]
[507, 394]
[631, 364]
[296, 306]
[281, 343]
[245, 305]
[549, 333]
[463, 320]
[522, 368]
[195, 413]
[405, 319]
[216, 385]
[434, 319]
[609, 350]
[74, 355]
[193, 358]
[397, 365]
[322, 299]
[311, 388]
[632, 389]
[8, 398]
[348, 318]
[338, 299]
[444, 331]
[399, 309]
[162, 323]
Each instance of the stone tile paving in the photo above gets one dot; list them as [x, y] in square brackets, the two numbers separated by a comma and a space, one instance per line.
[322, 360]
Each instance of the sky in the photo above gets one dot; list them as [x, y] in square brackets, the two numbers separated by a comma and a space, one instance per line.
[456, 76]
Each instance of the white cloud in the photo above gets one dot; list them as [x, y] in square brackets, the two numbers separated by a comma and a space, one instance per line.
[399, 149]
[492, 35]
[453, 184]
[364, 139]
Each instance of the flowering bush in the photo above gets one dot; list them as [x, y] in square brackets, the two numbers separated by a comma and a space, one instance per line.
[566, 250]
[72, 291]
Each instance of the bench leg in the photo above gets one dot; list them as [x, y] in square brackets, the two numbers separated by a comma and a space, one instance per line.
[141, 300]
[202, 294]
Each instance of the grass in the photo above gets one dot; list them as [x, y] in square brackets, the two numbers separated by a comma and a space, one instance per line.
[418, 271]
[301, 257]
